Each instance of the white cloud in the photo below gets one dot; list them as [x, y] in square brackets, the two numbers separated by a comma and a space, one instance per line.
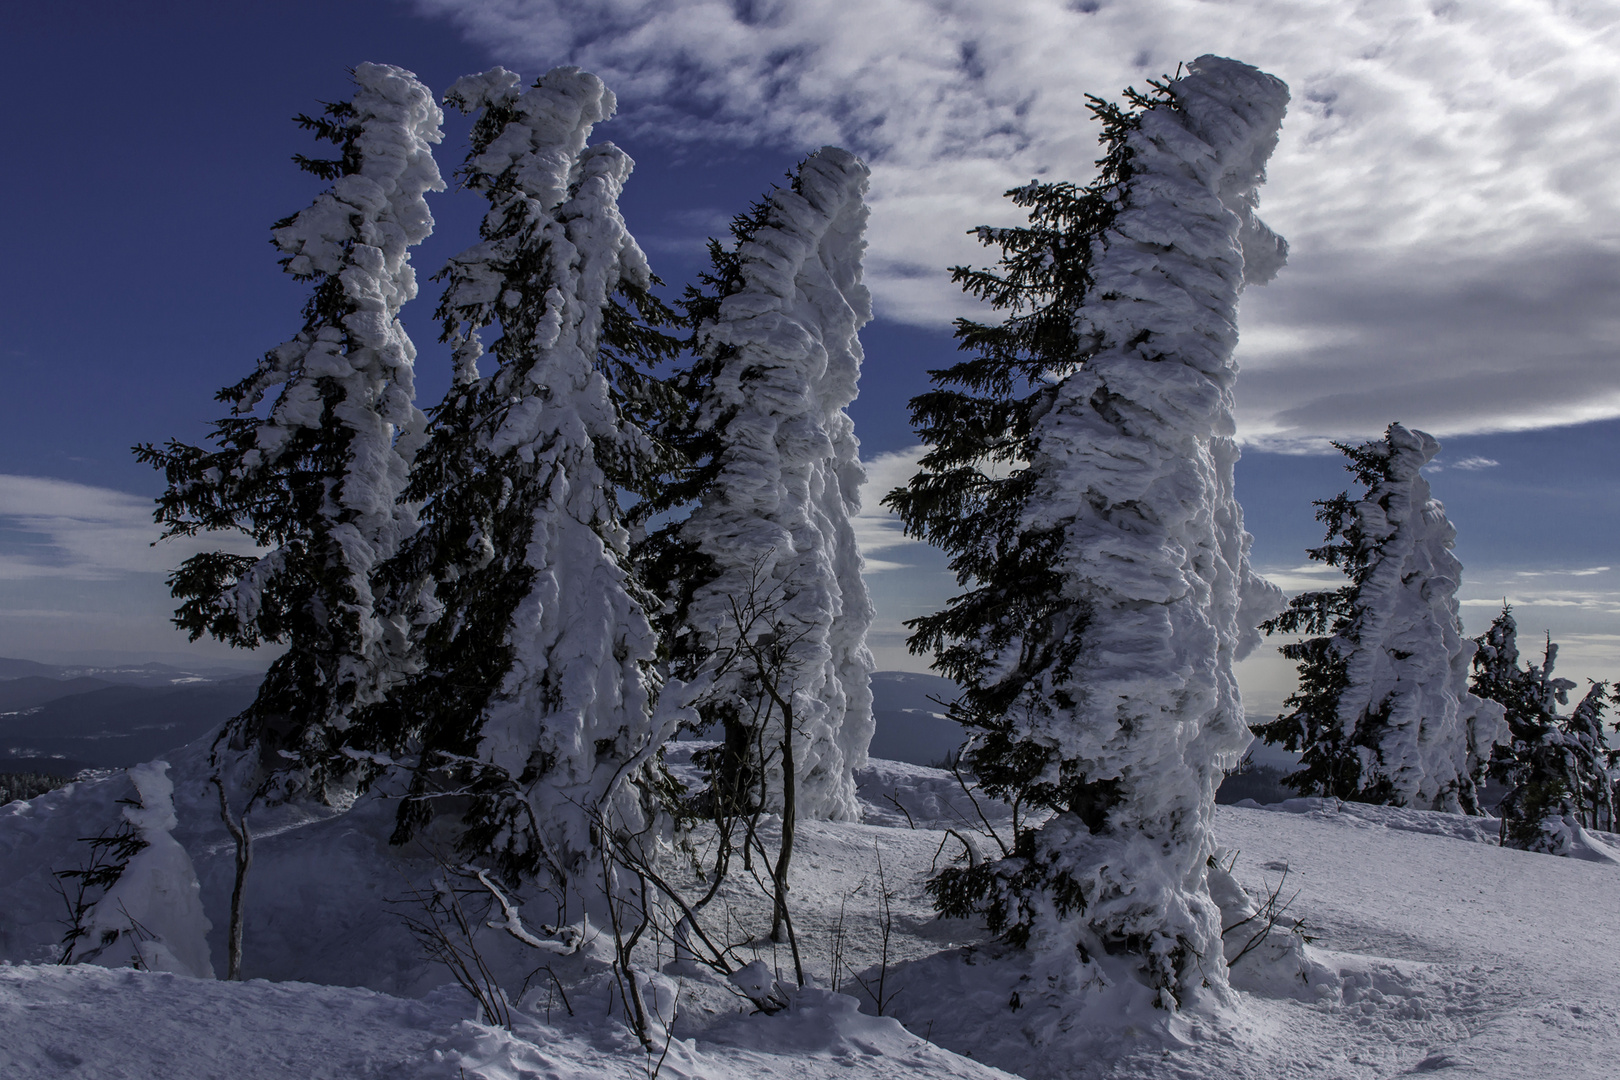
[58, 529]
[1467, 464]
[876, 527]
[1444, 173]
[1542, 600]
[1590, 571]
[1585, 605]
[1312, 577]
[79, 575]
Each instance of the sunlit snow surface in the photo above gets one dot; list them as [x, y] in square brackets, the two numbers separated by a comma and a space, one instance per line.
[1436, 951]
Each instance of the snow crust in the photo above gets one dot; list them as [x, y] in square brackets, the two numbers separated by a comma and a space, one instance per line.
[1407, 661]
[1138, 450]
[1435, 949]
[779, 522]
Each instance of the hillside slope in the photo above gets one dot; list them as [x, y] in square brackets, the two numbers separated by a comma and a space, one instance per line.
[1435, 950]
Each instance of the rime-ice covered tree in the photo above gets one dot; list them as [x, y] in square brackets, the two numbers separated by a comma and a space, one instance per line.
[316, 480]
[1080, 475]
[1555, 767]
[768, 550]
[535, 703]
[1591, 757]
[1383, 712]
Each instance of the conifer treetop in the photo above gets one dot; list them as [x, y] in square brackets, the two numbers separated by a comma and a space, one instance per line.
[358, 234]
[537, 694]
[317, 478]
[1384, 712]
[1556, 768]
[1080, 475]
[780, 362]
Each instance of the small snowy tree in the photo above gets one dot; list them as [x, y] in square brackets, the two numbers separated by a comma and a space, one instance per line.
[1080, 474]
[535, 705]
[317, 479]
[769, 550]
[1592, 759]
[149, 912]
[1555, 767]
[1383, 713]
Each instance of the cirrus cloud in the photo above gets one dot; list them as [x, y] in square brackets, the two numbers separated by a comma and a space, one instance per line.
[58, 529]
[1443, 176]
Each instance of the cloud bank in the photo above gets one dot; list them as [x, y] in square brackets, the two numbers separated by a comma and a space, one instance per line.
[79, 573]
[1443, 174]
[877, 528]
[58, 529]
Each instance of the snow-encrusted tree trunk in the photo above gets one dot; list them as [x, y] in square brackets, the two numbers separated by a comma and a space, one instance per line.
[317, 480]
[779, 361]
[536, 705]
[1095, 520]
[1384, 713]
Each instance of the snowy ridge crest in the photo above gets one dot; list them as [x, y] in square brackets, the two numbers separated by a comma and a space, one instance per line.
[779, 520]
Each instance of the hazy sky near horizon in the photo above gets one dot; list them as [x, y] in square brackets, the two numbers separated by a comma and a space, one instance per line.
[1444, 177]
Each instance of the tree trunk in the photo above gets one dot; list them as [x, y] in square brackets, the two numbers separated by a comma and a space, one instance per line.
[244, 859]
[789, 820]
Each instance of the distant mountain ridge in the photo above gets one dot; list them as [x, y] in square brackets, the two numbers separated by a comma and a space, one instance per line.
[65, 721]
[32, 691]
[153, 674]
[911, 723]
[61, 718]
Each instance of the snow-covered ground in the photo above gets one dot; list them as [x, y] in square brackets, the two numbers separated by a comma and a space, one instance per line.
[1434, 951]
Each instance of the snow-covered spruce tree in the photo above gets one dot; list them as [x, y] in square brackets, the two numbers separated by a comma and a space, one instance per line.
[1383, 713]
[1080, 475]
[768, 550]
[1593, 759]
[1555, 767]
[317, 479]
[535, 705]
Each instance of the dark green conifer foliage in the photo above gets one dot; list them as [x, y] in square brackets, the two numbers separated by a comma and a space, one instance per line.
[969, 496]
[1556, 767]
[280, 482]
[1330, 752]
[674, 566]
[461, 577]
[1592, 759]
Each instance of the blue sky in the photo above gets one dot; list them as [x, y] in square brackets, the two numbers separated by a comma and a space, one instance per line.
[1444, 178]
